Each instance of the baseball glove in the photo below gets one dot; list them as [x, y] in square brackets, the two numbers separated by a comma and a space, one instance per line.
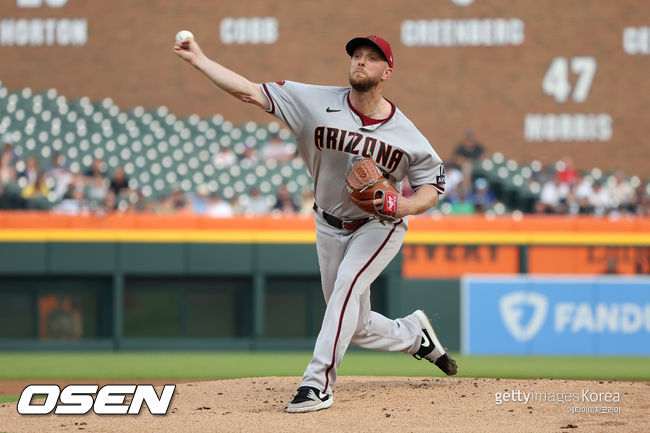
[366, 183]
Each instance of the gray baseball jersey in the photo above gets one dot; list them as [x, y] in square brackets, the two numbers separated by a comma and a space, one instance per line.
[331, 134]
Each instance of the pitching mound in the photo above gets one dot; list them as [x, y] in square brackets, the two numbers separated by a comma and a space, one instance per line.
[378, 404]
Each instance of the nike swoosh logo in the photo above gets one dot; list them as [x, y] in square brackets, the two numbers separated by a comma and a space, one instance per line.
[425, 340]
[330, 110]
[321, 395]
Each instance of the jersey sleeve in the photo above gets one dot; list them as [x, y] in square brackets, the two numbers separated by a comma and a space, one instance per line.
[288, 102]
[426, 168]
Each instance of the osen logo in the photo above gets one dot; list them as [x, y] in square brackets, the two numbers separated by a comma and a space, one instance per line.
[80, 399]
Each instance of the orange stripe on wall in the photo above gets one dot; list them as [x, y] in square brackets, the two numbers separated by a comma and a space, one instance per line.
[589, 260]
[452, 261]
[535, 223]
[44, 220]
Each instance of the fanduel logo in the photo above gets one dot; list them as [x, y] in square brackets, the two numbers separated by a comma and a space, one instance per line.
[512, 308]
[109, 400]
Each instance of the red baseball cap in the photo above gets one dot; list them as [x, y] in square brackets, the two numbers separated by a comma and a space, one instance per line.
[378, 42]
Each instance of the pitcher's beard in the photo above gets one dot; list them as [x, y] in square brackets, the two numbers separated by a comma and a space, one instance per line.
[363, 84]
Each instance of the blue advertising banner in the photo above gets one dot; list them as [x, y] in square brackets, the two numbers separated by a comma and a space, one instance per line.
[555, 316]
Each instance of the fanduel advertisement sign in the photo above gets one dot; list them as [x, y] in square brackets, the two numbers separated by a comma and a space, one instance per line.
[556, 316]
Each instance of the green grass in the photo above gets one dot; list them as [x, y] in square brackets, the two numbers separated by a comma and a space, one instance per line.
[8, 398]
[220, 365]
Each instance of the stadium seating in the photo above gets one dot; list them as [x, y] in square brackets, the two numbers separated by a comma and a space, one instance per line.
[161, 152]
[158, 151]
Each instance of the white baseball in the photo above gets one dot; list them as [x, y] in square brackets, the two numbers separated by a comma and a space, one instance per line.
[184, 35]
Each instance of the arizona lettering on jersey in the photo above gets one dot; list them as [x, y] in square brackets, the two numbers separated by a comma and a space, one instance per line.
[331, 135]
[355, 143]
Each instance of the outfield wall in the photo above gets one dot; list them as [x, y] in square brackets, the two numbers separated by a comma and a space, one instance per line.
[532, 315]
[123, 282]
[140, 295]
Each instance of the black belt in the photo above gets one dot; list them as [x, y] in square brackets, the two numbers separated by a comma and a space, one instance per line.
[336, 222]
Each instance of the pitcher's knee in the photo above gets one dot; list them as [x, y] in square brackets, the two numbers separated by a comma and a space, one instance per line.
[345, 280]
[362, 327]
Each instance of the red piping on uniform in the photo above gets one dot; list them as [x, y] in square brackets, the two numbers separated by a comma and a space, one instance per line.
[438, 187]
[268, 95]
[347, 298]
[367, 121]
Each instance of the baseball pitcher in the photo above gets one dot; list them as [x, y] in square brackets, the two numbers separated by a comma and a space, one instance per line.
[358, 147]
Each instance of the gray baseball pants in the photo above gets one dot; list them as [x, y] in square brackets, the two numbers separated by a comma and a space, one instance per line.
[349, 262]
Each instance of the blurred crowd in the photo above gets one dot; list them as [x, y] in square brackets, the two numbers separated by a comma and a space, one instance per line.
[26, 184]
[566, 190]
[465, 194]
[563, 189]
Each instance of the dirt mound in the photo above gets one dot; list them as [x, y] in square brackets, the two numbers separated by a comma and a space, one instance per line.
[378, 404]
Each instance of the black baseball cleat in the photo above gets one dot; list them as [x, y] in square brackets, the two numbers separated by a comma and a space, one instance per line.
[309, 399]
[431, 349]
